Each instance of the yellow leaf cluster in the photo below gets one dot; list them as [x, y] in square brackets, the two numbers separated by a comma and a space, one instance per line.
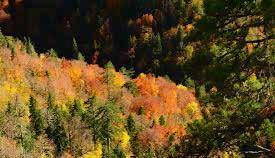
[253, 77]
[119, 80]
[96, 153]
[181, 87]
[192, 108]
[225, 155]
[44, 155]
[191, 111]
[197, 3]
[9, 88]
[75, 73]
[123, 139]
[142, 75]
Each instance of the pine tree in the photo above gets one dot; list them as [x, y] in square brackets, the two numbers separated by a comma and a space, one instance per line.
[93, 117]
[55, 125]
[57, 131]
[179, 38]
[131, 125]
[101, 120]
[29, 47]
[162, 120]
[75, 109]
[77, 54]
[90, 118]
[157, 46]
[181, 4]
[53, 53]
[119, 152]
[50, 100]
[109, 77]
[110, 119]
[3, 41]
[36, 117]
[141, 111]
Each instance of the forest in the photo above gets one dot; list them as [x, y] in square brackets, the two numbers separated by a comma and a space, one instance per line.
[137, 78]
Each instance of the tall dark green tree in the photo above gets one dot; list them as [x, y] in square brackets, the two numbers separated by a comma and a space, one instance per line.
[56, 129]
[3, 41]
[77, 54]
[102, 121]
[131, 125]
[157, 46]
[93, 117]
[36, 116]
[162, 120]
[110, 122]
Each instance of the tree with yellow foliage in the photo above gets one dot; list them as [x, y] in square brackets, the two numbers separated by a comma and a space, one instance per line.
[96, 153]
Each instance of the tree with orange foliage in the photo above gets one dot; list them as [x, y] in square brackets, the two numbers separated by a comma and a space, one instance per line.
[146, 85]
[168, 94]
[150, 105]
[156, 136]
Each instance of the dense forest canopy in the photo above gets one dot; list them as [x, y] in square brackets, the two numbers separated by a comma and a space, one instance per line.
[215, 99]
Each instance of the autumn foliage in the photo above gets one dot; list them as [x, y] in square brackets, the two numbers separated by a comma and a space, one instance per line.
[86, 79]
[24, 75]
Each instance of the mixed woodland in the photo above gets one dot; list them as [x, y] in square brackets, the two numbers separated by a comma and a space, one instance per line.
[137, 78]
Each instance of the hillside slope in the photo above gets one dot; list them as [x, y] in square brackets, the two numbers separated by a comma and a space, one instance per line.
[52, 106]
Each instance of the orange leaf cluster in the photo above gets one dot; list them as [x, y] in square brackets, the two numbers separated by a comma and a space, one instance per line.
[158, 96]
[156, 136]
[146, 19]
[147, 85]
[168, 95]
[151, 105]
[273, 146]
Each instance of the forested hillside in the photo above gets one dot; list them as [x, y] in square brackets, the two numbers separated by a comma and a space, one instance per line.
[54, 107]
[142, 78]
